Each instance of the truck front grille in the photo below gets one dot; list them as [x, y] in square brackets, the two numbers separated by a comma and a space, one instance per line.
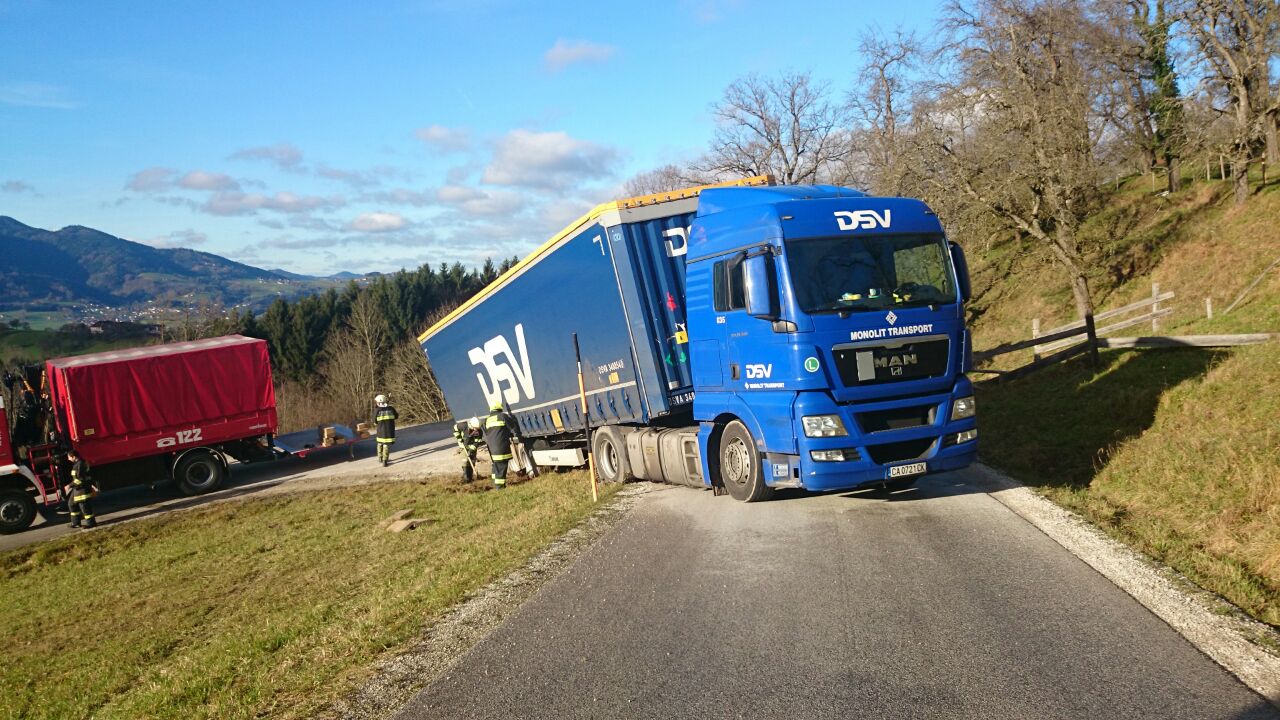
[860, 366]
[899, 451]
[896, 418]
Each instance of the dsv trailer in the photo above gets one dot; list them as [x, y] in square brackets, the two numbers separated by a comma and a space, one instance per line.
[744, 336]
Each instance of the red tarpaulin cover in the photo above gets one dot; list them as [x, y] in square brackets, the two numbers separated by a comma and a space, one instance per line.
[132, 403]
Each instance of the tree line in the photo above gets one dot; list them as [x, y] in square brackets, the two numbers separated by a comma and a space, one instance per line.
[332, 352]
[1015, 114]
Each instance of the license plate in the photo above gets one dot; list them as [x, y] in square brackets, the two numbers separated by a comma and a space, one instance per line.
[898, 471]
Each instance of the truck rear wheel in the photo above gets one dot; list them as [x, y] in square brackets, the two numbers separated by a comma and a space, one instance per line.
[611, 456]
[198, 472]
[740, 471]
[17, 510]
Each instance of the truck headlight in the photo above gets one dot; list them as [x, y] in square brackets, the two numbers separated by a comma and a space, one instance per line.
[823, 426]
[963, 408]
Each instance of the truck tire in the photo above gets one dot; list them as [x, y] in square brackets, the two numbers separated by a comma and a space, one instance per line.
[199, 472]
[611, 456]
[17, 510]
[740, 471]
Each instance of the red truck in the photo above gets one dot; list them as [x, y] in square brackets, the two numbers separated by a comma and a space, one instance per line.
[137, 416]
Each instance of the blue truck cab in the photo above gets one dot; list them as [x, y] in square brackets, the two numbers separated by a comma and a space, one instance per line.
[829, 326]
[742, 337]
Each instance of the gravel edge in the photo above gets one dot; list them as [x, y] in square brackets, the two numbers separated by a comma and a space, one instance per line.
[396, 680]
[1214, 626]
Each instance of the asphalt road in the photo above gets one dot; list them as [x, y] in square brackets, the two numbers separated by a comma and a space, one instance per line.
[933, 603]
[418, 449]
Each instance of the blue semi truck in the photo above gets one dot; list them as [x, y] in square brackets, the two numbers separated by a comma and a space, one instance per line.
[742, 337]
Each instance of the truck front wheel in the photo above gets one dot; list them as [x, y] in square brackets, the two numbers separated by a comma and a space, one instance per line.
[17, 510]
[740, 471]
[199, 471]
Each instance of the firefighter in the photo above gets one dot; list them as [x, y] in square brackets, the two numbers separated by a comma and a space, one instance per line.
[82, 490]
[500, 430]
[469, 439]
[385, 417]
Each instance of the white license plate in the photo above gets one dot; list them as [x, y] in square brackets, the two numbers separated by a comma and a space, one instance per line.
[898, 471]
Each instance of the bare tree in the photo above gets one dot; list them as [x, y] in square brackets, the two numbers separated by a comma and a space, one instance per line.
[413, 386]
[1015, 132]
[785, 126]
[879, 105]
[1237, 39]
[662, 179]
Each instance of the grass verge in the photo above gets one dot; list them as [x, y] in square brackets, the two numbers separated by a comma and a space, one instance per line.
[1176, 452]
[269, 607]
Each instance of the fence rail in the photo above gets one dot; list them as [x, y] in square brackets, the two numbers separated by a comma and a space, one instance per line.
[1083, 336]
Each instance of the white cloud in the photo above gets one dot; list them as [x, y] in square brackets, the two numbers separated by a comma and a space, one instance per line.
[30, 94]
[201, 180]
[153, 179]
[483, 203]
[569, 52]
[444, 139]
[374, 222]
[284, 155]
[240, 203]
[550, 160]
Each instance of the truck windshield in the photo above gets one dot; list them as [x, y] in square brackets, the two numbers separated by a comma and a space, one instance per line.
[870, 272]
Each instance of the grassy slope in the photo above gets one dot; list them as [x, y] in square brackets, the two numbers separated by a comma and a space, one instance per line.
[258, 608]
[1177, 452]
[39, 345]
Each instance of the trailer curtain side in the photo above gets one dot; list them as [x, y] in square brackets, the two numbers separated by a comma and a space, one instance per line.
[131, 403]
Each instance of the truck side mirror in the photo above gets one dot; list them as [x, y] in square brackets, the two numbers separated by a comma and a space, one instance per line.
[760, 287]
[962, 271]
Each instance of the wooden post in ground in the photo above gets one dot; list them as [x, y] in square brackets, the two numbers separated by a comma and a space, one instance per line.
[1222, 168]
[1092, 332]
[586, 420]
[1035, 333]
[1208, 308]
[1264, 174]
[1207, 172]
[1155, 308]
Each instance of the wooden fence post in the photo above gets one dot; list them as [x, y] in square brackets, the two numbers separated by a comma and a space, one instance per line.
[1155, 308]
[1092, 332]
[1222, 168]
[1208, 308]
[1207, 172]
[1035, 333]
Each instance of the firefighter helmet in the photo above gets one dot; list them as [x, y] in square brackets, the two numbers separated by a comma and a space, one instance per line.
[473, 423]
[380, 399]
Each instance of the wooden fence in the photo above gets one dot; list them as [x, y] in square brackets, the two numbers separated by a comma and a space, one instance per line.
[1084, 336]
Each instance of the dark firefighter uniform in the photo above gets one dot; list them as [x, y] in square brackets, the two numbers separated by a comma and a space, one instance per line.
[469, 439]
[81, 492]
[499, 430]
[385, 417]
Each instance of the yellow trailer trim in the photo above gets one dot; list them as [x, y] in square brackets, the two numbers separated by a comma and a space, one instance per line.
[573, 227]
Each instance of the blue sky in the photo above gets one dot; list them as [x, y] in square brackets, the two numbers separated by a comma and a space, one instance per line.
[321, 137]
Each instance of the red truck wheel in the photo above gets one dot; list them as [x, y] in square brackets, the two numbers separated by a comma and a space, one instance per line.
[198, 471]
[17, 510]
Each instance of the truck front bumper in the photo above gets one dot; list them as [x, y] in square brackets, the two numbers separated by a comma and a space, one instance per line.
[876, 456]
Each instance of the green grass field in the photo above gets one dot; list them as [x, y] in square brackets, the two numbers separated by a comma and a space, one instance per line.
[256, 608]
[1176, 452]
[39, 345]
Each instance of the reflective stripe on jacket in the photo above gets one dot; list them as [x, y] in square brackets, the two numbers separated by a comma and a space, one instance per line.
[499, 429]
[386, 419]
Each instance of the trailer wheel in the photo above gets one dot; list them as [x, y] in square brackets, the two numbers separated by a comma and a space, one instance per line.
[740, 470]
[611, 456]
[17, 510]
[198, 472]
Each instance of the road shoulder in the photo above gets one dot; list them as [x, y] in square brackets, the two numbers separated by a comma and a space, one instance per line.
[396, 680]
[1208, 622]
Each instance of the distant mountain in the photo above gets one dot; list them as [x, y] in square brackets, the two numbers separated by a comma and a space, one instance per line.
[85, 266]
